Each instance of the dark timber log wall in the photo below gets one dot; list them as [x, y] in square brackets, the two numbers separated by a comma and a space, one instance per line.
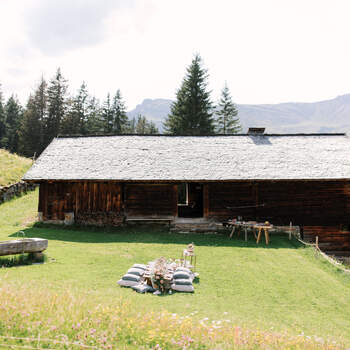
[145, 200]
[91, 202]
[322, 208]
[103, 202]
[302, 202]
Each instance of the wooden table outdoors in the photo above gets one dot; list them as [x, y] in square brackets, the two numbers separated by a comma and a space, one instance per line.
[253, 225]
[239, 225]
[266, 228]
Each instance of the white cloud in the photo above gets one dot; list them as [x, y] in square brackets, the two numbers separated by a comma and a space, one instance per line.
[267, 50]
[57, 26]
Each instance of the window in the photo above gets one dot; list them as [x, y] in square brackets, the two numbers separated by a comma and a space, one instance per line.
[182, 194]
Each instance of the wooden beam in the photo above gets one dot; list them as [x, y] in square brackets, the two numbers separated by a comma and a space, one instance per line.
[205, 200]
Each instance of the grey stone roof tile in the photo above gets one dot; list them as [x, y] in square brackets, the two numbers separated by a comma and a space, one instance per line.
[204, 158]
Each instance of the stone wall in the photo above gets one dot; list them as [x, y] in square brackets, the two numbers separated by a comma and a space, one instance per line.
[10, 191]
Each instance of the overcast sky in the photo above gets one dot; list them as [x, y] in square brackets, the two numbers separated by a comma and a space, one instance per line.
[268, 51]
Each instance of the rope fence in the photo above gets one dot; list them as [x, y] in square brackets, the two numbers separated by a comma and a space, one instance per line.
[317, 249]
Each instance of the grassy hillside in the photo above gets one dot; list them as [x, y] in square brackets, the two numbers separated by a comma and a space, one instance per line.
[12, 167]
[280, 296]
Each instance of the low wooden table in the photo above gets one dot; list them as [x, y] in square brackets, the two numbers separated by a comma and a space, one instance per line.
[266, 228]
[253, 225]
[167, 278]
[239, 225]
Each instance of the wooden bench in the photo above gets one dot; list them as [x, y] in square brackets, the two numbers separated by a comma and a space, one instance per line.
[168, 220]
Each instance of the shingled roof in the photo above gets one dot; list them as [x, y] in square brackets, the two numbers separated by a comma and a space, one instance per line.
[193, 158]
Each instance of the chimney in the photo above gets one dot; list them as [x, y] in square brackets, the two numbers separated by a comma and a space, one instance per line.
[256, 131]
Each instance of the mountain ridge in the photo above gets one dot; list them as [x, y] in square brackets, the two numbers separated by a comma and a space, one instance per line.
[332, 115]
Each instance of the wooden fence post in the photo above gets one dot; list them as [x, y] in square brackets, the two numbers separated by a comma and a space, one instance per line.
[317, 242]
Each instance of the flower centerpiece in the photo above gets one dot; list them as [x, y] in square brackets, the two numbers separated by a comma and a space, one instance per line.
[161, 275]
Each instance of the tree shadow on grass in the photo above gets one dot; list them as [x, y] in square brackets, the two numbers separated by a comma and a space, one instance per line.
[152, 235]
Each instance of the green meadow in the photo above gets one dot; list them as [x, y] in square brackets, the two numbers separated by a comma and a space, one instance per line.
[247, 295]
[12, 167]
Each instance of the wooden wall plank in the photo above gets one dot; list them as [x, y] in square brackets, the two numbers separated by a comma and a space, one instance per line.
[300, 202]
[175, 199]
[149, 200]
[206, 200]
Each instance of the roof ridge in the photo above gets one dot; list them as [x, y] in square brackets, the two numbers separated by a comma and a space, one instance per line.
[209, 135]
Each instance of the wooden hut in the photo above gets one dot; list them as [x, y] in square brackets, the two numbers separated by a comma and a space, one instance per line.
[303, 179]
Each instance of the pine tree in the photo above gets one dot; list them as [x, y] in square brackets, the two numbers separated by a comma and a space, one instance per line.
[141, 125]
[2, 122]
[75, 119]
[57, 104]
[114, 115]
[152, 128]
[131, 126]
[30, 130]
[144, 127]
[226, 121]
[13, 112]
[107, 115]
[40, 103]
[31, 135]
[94, 123]
[120, 118]
[192, 112]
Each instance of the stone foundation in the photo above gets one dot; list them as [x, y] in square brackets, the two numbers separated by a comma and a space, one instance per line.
[69, 218]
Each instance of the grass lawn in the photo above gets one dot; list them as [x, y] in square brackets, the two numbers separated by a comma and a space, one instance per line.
[282, 288]
[12, 167]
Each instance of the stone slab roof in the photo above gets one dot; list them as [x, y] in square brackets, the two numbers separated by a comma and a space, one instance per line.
[193, 158]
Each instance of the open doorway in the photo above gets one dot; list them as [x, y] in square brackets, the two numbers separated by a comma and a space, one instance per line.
[190, 200]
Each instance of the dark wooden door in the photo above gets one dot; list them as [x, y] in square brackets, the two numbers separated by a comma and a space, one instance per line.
[194, 207]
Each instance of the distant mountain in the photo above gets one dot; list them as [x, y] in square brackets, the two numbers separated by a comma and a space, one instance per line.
[154, 110]
[323, 116]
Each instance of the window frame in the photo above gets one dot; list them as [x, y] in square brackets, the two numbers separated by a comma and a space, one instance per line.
[186, 190]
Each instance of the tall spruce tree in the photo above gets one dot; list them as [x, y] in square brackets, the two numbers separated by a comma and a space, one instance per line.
[152, 128]
[192, 112]
[2, 121]
[227, 121]
[30, 130]
[120, 118]
[107, 115]
[94, 123]
[131, 126]
[40, 104]
[75, 119]
[31, 136]
[114, 115]
[142, 126]
[57, 104]
[13, 112]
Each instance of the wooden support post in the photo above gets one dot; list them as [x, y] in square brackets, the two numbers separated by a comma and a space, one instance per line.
[290, 230]
[266, 235]
[233, 231]
[317, 242]
[259, 234]
[246, 234]
[206, 200]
